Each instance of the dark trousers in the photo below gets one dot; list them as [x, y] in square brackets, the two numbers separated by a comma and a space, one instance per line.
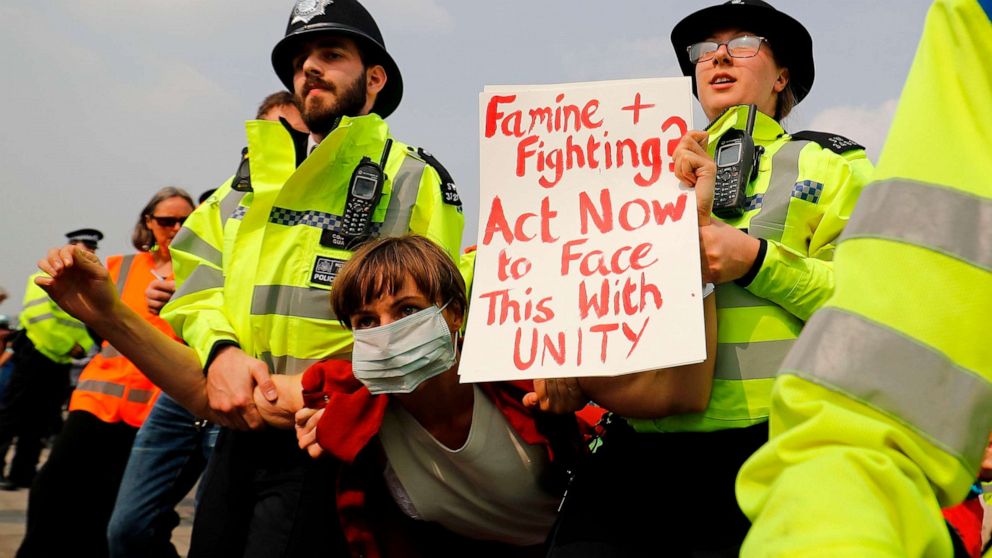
[264, 497]
[74, 493]
[686, 480]
[32, 403]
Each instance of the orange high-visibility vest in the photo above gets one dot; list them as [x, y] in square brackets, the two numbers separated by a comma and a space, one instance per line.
[111, 387]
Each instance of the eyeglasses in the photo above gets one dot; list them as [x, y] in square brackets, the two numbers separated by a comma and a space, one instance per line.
[168, 222]
[739, 47]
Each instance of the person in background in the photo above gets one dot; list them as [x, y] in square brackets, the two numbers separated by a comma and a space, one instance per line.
[282, 105]
[39, 379]
[881, 413]
[204, 196]
[7, 333]
[770, 259]
[73, 495]
[173, 446]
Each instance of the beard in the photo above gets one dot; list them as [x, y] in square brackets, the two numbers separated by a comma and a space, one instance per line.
[320, 116]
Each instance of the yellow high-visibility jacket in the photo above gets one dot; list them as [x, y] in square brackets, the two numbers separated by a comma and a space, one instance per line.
[250, 266]
[799, 203]
[53, 331]
[884, 406]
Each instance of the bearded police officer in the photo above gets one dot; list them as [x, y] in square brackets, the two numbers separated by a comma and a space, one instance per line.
[254, 264]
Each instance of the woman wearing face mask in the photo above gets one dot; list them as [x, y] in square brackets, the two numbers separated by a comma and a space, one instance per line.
[445, 468]
[771, 263]
[73, 495]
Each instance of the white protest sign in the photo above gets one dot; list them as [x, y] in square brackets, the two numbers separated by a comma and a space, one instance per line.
[588, 251]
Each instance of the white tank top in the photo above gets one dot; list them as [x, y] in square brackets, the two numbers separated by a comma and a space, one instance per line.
[485, 490]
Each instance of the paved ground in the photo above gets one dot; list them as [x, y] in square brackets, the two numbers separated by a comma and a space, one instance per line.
[13, 506]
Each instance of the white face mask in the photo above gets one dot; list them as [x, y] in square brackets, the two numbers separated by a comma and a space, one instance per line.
[398, 357]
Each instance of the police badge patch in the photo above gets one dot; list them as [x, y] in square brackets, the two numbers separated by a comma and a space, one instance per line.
[325, 270]
[306, 10]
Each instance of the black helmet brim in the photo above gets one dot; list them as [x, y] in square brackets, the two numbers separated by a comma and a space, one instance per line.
[386, 101]
[788, 39]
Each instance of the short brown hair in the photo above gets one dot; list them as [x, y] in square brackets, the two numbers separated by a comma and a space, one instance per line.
[381, 266]
[277, 99]
[142, 238]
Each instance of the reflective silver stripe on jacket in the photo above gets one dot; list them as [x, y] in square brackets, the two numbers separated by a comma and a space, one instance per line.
[61, 321]
[109, 351]
[941, 219]
[299, 302]
[99, 386]
[760, 359]
[35, 302]
[747, 361]
[203, 278]
[286, 364]
[140, 395]
[769, 223]
[230, 206]
[406, 188]
[897, 375]
[187, 241]
[126, 262]
[750, 361]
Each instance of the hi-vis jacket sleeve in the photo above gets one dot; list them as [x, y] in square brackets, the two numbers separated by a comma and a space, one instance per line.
[196, 311]
[883, 408]
[51, 329]
[435, 217]
[797, 272]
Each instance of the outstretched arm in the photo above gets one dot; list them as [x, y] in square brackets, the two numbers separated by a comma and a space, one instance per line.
[82, 287]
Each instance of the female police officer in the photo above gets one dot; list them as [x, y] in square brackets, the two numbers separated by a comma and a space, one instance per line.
[772, 267]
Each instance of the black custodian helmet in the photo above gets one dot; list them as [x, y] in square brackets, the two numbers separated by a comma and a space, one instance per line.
[789, 40]
[339, 17]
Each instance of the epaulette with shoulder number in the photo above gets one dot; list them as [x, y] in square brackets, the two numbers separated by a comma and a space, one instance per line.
[836, 143]
[449, 194]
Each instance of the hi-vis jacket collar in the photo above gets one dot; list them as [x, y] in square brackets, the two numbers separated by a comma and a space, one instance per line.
[766, 128]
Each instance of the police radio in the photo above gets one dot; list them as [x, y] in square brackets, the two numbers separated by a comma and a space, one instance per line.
[364, 191]
[736, 165]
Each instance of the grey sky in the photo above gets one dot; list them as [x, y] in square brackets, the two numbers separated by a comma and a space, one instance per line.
[106, 101]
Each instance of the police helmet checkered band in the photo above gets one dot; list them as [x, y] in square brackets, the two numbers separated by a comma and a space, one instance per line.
[88, 236]
[306, 10]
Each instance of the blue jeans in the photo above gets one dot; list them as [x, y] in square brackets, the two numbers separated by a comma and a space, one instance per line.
[168, 455]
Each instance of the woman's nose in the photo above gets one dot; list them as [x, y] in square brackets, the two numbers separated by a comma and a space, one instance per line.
[722, 55]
